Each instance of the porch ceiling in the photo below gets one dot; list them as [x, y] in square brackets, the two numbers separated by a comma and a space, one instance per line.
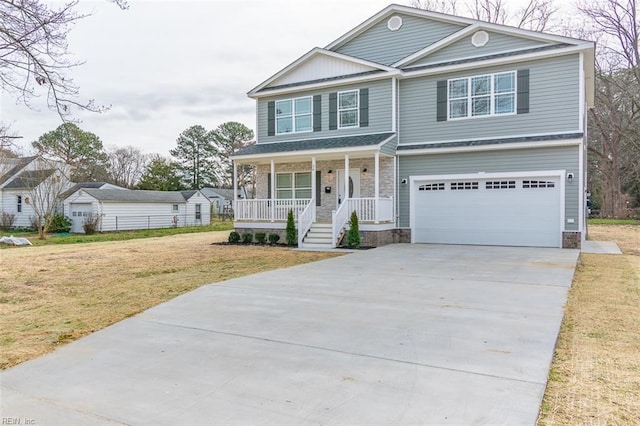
[322, 149]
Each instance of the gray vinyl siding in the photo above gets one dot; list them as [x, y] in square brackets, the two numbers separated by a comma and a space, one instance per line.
[379, 44]
[379, 112]
[553, 105]
[389, 148]
[516, 160]
[464, 49]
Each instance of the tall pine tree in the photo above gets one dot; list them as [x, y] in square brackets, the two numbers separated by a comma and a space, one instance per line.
[196, 157]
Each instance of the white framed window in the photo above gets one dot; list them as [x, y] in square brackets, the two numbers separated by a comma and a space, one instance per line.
[293, 185]
[348, 112]
[174, 208]
[294, 115]
[482, 95]
[198, 211]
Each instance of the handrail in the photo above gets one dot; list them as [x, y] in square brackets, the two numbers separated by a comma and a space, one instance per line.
[338, 220]
[305, 220]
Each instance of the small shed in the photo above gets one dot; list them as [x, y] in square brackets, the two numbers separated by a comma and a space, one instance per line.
[120, 210]
[220, 197]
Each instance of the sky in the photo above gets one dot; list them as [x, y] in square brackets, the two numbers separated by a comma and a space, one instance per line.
[163, 66]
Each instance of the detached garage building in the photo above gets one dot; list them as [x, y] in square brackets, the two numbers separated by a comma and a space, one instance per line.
[120, 210]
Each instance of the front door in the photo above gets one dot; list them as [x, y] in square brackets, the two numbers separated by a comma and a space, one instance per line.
[354, 185]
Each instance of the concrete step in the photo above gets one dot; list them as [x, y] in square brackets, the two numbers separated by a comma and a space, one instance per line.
[316, 240]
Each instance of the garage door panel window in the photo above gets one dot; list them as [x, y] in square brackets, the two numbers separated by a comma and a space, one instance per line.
[464, 186]
[532, 184]
[500, 184]
[432, 187]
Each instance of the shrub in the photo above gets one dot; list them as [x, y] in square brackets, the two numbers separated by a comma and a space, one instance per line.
[353, 236]
[90, 224]
[261, 237]
[7, 220]
[274, 238]
[247, 237]
[60, 223]
[234, 237]
[292, 235]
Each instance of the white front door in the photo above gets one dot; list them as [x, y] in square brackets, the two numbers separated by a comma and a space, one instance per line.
[354, 185]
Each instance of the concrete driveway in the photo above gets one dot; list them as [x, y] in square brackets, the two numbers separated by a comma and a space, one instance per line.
[403, 334]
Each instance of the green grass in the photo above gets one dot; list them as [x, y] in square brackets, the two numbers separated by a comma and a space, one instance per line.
[614, 222]
[121, 236]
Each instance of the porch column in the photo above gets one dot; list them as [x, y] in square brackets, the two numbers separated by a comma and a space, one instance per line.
[273, 191]
[235, 186]
[313, 186]
[377, 187]
[346, 177]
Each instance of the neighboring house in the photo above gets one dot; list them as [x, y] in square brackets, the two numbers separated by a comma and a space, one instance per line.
[433, 128]
[22, 179]
[119, 209]
[219, 197]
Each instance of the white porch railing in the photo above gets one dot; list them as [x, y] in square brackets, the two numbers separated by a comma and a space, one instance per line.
[365, 208]
[305, 220]
[338, 219]
[275, 210]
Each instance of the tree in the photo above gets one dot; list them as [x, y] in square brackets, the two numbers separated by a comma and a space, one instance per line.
[81, 150]
[34, 55]
[46, 185]
[126, 165]
[229, 138]
[614, 123]
[353, 235]
[160, 175]
[196, 157]
[291, 234]
[536, 15]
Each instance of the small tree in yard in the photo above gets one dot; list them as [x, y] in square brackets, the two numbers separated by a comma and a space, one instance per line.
[45, 185]
[292, 235]
[353, 236]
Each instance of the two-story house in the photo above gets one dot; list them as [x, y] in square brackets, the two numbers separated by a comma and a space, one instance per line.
[433, 128]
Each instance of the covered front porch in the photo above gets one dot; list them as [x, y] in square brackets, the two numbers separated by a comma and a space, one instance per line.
[322, 190]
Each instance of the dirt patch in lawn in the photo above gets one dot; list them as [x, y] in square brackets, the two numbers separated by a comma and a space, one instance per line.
[51, 295]
[595, 375]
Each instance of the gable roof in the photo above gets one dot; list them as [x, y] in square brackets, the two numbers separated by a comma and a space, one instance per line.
[30, 179]
[220, 192]
[139, 196]
[304, 70]
[19, 164]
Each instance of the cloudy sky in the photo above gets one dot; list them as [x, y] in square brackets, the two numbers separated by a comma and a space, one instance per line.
[164, 66]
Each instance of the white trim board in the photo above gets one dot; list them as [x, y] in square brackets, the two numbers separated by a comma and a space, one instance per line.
[491, 147]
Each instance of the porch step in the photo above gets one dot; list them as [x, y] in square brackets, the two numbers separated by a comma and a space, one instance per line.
[319, 236]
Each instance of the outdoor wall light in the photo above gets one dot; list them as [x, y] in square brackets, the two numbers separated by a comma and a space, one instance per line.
[364, 170]
[404, 181]
[570, 177]
[330, 171]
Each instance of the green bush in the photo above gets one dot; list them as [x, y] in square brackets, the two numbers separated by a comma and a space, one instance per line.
[353, 236]
[247, 237]
[60, 223]
[292, 235]
[274, 238]
[261, 237]
[234, 237]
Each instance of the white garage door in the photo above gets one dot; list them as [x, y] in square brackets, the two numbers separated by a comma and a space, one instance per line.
[488, 211]
[79, 212]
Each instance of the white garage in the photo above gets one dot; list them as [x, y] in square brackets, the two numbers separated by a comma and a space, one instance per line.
[524, 209]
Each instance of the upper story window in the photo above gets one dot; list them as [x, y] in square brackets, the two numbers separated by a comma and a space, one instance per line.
[294, 115]
[348, 109]
[483, 95]
[19, 204]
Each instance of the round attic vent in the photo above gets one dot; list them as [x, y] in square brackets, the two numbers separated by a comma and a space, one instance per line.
[394, 23]
[480, 38]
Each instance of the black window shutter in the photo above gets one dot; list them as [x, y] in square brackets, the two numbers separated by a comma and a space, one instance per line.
[271, 118]
[333, 111]
[317, 113]
[364, 107]
[441, 94]
[269, 185]
[318, 189]
[523, 91]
